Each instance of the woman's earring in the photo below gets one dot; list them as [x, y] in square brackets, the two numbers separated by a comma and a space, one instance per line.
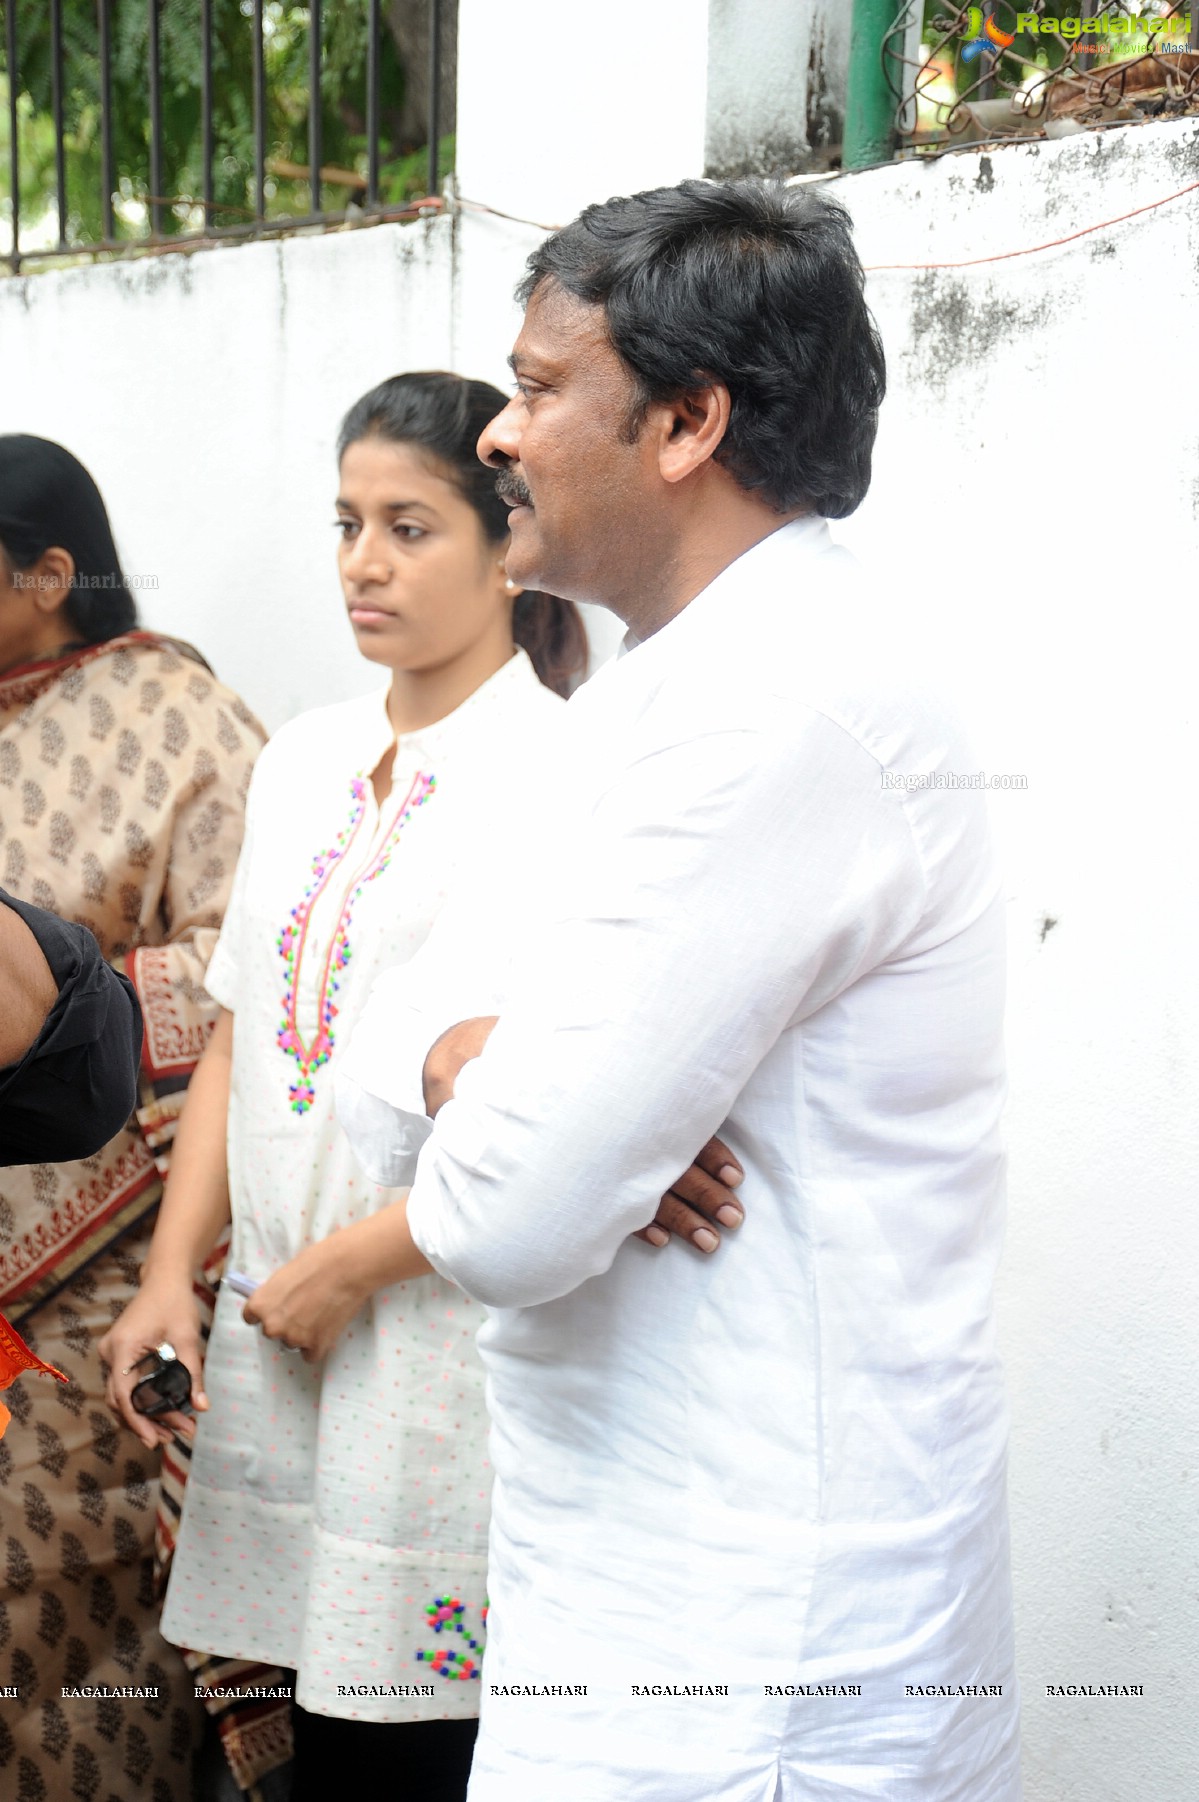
[510, 585]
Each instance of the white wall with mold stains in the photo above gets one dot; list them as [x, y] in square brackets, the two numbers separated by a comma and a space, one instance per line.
[1035, 508]
[204, 393]
[1035, 512]
[776, 85]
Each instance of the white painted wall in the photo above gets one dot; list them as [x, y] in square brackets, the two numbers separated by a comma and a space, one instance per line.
[1036, 506]
[204, 393]
[776, 85]
[1036, 509]
[553, 99]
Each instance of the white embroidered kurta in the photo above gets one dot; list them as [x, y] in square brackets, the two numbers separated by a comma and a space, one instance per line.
[336, 1516]
[775, 1476]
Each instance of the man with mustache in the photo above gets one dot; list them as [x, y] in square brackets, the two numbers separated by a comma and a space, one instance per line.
[749, 1533]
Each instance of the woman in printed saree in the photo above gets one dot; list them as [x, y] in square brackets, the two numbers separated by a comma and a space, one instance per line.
[124, 766]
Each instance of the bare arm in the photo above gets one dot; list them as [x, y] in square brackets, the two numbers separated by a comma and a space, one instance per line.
[28, 990]
[309, 1301]
[195, 1207]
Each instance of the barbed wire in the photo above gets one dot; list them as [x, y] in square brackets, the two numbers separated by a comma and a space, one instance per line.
[968, 69]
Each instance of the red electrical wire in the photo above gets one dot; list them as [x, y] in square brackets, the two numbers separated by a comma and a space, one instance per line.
[1031, 250]
[1002, 256]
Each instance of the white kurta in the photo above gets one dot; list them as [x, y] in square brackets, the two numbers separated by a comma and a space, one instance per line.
[336, 1516]
[778, 1473]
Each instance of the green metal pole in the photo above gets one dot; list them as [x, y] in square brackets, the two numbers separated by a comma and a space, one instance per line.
[869, 102]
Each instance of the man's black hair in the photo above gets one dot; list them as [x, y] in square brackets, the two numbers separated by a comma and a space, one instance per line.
[752, 284]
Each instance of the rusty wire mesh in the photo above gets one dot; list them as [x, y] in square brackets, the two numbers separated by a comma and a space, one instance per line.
[963, 74]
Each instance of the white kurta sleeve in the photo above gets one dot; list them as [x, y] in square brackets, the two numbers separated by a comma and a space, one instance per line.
[379, 1090]
[728, 884]
[456, 975]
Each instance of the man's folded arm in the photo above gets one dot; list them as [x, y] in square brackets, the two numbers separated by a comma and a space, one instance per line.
[729, 884]
[380, 1100]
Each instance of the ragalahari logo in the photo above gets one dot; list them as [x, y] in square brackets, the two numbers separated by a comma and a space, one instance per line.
[982, 33]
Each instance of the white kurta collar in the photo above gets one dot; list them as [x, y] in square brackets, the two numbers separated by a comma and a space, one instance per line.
[476, 714]
[809, 535]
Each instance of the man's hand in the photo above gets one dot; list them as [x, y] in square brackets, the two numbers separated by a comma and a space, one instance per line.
[693, 1208]
[447, 1055]
[700, 1203]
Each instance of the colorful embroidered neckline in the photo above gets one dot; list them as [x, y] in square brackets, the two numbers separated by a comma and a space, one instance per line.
[292, 941]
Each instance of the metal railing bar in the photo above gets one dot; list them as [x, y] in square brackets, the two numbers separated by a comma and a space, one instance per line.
[314, 101]
[434, 90]
[165, 211]
[206, 144]
[372, 104]
[60, 148]
[259, 115]
[14, 152]
[107, 176]
[154, 72]
[129, 249]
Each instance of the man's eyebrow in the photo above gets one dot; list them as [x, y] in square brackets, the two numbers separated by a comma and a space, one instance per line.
[529, 361]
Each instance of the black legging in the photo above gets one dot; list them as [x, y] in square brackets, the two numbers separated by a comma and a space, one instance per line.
[397, 1761]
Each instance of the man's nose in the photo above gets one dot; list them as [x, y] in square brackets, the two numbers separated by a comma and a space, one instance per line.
[499, 442]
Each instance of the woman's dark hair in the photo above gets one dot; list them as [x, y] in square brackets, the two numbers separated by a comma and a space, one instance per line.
[443, 415]
[48, 498]
[748, 283]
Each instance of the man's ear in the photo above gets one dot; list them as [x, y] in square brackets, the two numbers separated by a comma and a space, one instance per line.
[54, 572]
[693, 428]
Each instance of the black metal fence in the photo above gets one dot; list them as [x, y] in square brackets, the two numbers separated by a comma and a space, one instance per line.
[78, 73]
[972, 73]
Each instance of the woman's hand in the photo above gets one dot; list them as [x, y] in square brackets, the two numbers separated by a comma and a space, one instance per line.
[701, 1202]
[163, 1308]
[308, 1301]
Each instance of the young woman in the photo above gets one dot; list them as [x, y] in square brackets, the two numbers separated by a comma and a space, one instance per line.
[336, 1516]
[124, 766]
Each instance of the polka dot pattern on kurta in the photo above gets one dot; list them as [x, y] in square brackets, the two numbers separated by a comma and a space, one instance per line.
[328, 1509]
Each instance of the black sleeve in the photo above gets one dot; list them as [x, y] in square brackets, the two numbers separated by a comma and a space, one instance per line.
[76, 1086]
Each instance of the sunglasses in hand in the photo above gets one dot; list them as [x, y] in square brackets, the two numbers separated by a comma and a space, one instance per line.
[167, 1386]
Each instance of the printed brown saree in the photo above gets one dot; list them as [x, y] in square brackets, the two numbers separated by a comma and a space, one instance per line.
[123, 773]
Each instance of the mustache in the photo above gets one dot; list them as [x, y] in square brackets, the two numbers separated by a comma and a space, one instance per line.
[512, 490]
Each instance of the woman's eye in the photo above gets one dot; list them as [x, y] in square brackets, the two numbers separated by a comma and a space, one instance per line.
[410, 532]
[345, 526]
